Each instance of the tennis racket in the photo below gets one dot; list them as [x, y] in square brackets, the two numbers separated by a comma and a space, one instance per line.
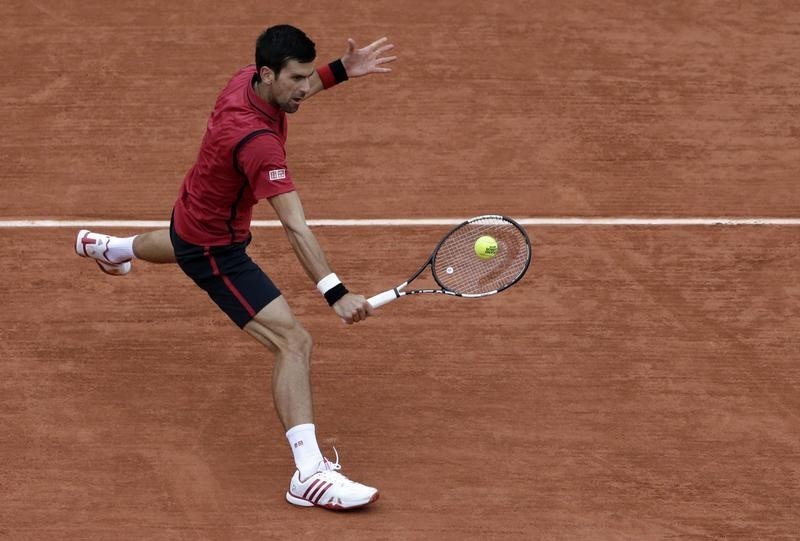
[459, 271]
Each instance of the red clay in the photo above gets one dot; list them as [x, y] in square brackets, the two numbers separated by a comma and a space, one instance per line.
[639, 383]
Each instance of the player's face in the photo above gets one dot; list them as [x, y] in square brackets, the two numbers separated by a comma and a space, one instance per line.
[292, 85]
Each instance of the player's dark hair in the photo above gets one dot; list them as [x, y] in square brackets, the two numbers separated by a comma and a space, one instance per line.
[279, 44]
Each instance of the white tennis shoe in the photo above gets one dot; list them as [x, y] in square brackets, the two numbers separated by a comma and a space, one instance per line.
[329, 489]
[95, 246]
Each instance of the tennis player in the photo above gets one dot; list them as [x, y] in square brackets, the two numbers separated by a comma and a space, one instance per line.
[241, 161]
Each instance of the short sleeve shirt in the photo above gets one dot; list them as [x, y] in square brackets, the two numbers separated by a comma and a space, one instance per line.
[241, 161]
[263, 161]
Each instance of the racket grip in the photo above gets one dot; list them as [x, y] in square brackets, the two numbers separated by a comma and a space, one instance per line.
[383, 298]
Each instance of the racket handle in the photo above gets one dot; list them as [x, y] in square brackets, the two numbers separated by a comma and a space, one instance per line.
[383, 298]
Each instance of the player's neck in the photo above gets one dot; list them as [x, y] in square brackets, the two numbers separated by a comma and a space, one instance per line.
[262, 91]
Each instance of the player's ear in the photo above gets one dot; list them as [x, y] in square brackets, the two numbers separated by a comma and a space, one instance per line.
[267, 75]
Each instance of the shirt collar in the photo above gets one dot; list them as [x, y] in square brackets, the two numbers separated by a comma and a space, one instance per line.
[258, 103]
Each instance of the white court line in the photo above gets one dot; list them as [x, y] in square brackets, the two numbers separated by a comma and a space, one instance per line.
[410, 222]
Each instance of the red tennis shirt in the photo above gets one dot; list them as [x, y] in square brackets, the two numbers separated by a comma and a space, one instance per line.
[242, 160]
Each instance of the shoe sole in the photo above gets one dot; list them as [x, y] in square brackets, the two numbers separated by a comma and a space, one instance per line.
[114, 269]
[301, 502]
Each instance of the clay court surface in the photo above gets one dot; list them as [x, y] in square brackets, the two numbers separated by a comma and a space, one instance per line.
[639, 383]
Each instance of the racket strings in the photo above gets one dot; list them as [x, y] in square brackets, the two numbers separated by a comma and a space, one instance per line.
[459, 269]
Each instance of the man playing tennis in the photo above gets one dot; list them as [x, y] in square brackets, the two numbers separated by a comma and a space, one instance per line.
[241, 161]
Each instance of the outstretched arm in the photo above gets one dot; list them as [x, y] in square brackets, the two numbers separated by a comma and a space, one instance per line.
[358, 62]
[350, 307]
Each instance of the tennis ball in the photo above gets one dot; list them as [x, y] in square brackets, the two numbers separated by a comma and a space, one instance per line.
[486, 247]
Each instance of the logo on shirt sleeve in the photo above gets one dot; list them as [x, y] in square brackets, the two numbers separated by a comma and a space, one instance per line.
[277, 175]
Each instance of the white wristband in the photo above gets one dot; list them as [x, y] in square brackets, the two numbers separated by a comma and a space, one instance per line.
[328, 282]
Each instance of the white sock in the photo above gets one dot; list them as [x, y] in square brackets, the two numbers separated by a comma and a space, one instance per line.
[120, 249]
[307, 456]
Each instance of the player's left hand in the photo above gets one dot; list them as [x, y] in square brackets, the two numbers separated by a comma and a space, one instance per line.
[369, 59]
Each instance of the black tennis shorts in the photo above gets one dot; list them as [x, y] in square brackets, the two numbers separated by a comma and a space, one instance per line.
[232, 280]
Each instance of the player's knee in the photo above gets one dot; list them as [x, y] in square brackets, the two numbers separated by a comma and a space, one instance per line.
[304, 341]
[299, 341]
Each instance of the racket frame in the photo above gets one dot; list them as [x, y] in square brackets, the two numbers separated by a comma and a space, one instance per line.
[396, 292]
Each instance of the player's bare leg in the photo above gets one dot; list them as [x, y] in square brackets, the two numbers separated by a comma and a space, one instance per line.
[276, 327]
[316, 481]
[154, 247]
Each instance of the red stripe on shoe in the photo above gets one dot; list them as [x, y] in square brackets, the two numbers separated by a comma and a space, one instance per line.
[322, 492]
[228, 283]
[85, 241]
[313, 496]
[311, 486]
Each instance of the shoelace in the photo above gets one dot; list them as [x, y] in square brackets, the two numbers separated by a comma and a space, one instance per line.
[330, 472]
[328, 465]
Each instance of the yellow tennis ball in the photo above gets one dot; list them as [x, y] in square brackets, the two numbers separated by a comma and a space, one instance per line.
[486, 247]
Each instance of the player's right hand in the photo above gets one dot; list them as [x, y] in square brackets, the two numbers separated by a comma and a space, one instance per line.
[353, 308]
